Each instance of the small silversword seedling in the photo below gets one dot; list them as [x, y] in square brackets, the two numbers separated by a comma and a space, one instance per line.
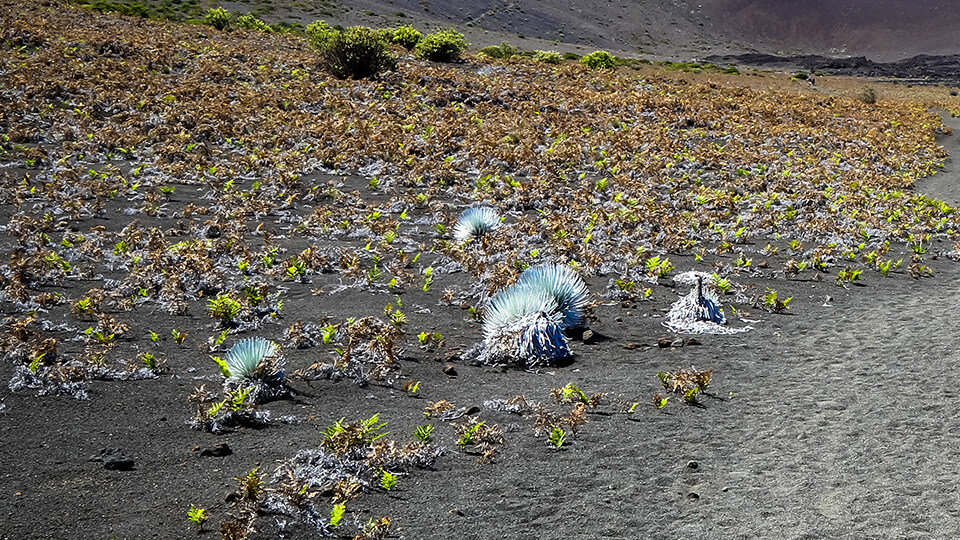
[255, 361]
[475, 222]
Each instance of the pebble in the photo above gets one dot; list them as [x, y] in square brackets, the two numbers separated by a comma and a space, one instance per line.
[449, 370]
[588, 337]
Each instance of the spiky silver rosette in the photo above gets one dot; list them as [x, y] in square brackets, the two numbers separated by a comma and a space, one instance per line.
[513, 303]
[475, 222]
[699, 312]
[533, 340]
[523, 326]
[564, 285]
[258, 362]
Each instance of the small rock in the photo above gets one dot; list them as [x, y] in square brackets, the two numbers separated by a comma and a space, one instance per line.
[217, 450]
[692, 466]
[762, 264]
[618, 319]
[214, 231]
[472, 411]
[588, 337]
[113, 459]
[120, 463]
[456, 511]
[630, 346]
[677, 342]
[693, 496]
[452, 357]
[664, 342]
[691, 341]
[449, 370]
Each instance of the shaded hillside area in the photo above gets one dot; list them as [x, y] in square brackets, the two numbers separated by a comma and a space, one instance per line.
[885, 29]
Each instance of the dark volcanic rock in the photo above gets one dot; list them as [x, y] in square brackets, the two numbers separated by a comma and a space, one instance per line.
[920, 69]
[217, 450]
[113, 459]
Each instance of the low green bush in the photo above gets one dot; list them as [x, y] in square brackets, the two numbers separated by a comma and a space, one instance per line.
[319, 34]
[385, 34]
[251, 22]
[358, 52]
[571, 56]
[218, 18]
[548, 57]
[599, 60]
[407, 37]
[504, 50]
[442, 46]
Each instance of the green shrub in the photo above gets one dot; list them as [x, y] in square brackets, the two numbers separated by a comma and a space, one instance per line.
[284, 27]
[250, 22]
[407, 37]
[868, 95]
[384, 34]
[548, 57]
[571, 56]
[218, 18]
[319, 35]
[357, 52]
[442, 46]
[504, 50]
[599, 60]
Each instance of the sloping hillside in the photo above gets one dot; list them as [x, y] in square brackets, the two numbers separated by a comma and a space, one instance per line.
[883, 30]
[887, 29]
